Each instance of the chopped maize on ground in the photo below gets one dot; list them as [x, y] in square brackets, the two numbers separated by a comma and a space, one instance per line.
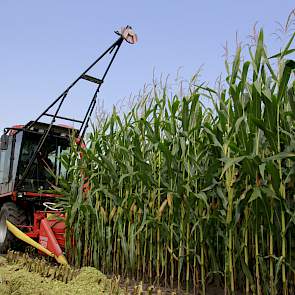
[14, 279]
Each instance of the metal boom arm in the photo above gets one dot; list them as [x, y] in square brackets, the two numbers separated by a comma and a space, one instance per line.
[126, 34]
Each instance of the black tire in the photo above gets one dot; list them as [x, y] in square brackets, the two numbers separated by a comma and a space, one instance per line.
[16, 216]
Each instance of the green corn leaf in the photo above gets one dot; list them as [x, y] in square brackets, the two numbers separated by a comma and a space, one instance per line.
[283, 53]
[280, 156]
[229, 162]
[283, 83]
[256, 194]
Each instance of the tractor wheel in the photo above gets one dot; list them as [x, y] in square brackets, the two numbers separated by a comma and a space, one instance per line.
[16, 216]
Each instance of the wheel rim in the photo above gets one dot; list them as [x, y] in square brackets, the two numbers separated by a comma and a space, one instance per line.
[3, 228]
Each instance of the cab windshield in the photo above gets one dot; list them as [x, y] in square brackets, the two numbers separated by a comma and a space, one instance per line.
[47, 163]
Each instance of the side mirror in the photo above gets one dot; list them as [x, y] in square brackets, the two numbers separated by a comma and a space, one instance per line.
[4, 142]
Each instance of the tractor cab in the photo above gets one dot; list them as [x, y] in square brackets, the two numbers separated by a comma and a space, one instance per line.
[16, 150]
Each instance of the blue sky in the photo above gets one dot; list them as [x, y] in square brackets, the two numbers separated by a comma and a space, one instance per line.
[46, 44]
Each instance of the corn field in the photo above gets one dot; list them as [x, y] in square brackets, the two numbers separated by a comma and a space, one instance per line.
[182, 195]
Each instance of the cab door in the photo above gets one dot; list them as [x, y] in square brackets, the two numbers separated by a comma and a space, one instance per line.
[5, 162]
